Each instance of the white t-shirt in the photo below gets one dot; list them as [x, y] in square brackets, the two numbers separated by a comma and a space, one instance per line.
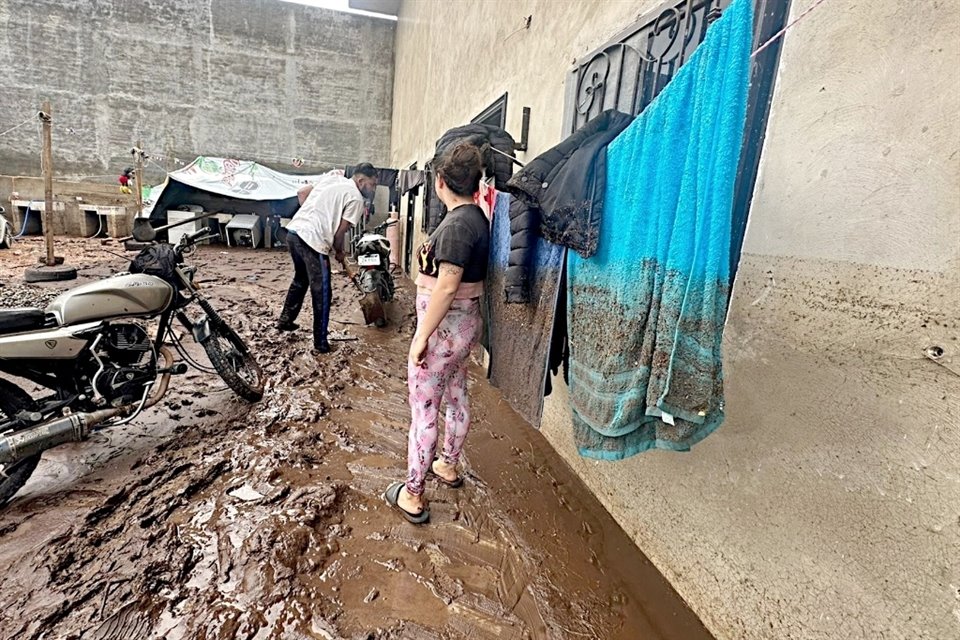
[334, 198]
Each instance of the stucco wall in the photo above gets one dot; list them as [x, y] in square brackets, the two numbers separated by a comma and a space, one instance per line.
[455, 58]
[828, 505]
[257, 79]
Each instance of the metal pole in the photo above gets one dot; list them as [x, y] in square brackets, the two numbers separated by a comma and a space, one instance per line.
[47, 159]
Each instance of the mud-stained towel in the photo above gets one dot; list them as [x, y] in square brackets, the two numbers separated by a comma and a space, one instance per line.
[646, 312]
[518, 336]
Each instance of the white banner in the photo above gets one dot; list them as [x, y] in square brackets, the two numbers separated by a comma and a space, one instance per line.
[241, 179]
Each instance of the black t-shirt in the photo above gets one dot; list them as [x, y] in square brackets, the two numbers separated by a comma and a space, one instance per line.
[463, 240]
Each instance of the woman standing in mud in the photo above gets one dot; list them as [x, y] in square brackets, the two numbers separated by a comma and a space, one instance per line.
[453, 266]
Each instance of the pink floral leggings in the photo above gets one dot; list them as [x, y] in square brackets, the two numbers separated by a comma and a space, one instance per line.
[443, 377]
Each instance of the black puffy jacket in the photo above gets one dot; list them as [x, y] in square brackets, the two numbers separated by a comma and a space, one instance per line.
[559, 195]
[496, 164]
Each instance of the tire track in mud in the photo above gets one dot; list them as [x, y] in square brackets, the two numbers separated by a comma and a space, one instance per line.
[266, 521]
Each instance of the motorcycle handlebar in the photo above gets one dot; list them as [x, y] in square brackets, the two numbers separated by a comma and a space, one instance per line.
[193, 238]
[383, 226]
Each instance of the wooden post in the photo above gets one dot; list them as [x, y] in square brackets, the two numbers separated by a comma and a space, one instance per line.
[47, 158]
[48, 270]
[139, 177]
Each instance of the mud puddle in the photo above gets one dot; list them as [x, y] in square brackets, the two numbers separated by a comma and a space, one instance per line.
[210, 518]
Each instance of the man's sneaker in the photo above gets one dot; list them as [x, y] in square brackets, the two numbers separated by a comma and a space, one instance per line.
[287, 326]
[322, 349]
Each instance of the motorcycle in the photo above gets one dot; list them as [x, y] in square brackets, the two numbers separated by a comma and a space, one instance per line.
[92, 349]
[372, 250]
[6, 230]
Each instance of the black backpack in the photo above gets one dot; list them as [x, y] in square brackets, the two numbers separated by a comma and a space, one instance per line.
[158, 260]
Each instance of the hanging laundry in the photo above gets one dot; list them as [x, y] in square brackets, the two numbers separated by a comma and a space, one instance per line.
[646, 313]
[498, 165]
[486, 199]
[409, 180]
[388, 178]
[519, 335]
[563, 192]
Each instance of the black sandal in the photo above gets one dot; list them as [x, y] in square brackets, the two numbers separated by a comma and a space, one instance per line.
[392, 498]
[453, 484]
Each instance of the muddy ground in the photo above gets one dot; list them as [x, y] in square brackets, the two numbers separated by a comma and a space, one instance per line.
[212, 518]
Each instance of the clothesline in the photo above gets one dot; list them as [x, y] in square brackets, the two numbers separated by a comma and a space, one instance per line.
[150, 161]
[779, 34]
[67, 130]
[74, 176]
[272, 159]
[293, 161]
[14, 128]
[296, 162]
[176, 161]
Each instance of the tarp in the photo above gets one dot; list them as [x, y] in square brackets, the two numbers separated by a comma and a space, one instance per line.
[236, 179]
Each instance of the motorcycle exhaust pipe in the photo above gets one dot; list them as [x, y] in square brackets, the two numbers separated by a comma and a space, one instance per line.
[73, 428]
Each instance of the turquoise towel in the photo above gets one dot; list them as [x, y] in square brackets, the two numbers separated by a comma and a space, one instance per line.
[646, 312]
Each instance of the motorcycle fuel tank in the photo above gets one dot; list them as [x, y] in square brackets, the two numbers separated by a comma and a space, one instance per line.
[115, 297]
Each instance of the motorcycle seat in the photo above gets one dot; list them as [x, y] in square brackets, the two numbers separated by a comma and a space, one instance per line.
[14, 320]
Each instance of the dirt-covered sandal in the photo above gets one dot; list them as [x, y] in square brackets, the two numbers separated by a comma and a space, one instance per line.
[392, 498]
[453, 484]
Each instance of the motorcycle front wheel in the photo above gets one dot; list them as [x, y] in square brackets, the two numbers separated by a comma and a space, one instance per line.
[13, 400]
[233, 361]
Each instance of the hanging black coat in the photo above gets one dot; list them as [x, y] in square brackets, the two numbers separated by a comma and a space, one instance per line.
[496, 164]
[559, 195]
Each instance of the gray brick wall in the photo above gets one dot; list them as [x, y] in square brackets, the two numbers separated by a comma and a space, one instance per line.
[257, 79]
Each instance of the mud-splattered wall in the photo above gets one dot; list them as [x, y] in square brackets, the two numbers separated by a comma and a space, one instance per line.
[827, 505]
[259, 79]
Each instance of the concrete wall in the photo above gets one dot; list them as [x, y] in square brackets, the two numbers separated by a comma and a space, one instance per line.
[256, 79]
[828, 505]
